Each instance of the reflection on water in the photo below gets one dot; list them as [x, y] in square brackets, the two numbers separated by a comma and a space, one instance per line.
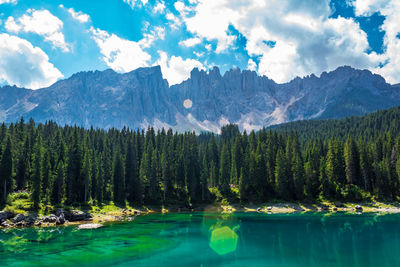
[223, 240]
[213, 239]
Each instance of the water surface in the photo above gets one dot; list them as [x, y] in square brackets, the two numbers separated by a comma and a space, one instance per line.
[213, 239]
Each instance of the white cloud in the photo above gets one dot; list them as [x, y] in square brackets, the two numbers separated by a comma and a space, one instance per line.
[153, 35]
[198, 54]
[40, 22]
[24, 65]
[391, 26]
[211, 21]
[120, 54]
[176, 69]
[159, 7]
[190, 42]
[8, 2]
[390, 69]
[251, 65]
[290, 37]
[79, 16]
[368, 7]
[136, 3]
[175, 22]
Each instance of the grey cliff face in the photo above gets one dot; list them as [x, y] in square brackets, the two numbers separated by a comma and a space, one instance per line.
[142, 97]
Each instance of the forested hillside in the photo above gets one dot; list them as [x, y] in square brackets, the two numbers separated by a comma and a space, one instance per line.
[366, 127]
[71, 165]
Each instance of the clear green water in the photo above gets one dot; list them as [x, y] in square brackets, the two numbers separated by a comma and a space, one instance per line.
[213, 239]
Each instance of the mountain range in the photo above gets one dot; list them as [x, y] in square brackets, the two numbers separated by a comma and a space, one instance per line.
[204, 102]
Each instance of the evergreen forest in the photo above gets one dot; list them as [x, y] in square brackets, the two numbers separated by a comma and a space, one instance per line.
[351, 159]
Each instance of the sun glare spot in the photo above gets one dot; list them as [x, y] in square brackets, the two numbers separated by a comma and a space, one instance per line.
[187, 103]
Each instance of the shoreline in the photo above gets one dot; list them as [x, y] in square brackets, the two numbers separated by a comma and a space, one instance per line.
[96, 217]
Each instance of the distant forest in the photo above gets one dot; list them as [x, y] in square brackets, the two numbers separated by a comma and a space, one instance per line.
[350, 159]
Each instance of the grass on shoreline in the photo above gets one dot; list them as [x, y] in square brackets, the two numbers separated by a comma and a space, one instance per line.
[20, 203]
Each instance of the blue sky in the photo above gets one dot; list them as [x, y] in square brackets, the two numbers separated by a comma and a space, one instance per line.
[44, 41]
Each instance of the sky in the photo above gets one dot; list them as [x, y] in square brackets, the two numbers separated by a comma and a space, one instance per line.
[42, 41]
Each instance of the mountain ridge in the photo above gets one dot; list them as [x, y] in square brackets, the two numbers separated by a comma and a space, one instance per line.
[143, 97]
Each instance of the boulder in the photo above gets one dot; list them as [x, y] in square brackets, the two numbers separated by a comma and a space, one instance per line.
[60, 219]
[50, 219]
[5, 224]
[339, 205]
[58, 212]
[29, 220]
[75, 215]
[18, 218]
[137, 212]
[90, 226]
[5, 215]
[359, 208]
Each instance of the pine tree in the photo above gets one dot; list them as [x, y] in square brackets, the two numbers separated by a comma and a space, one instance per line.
[244, 178]
[74, 169]
[23, 166]
[352, 162]
[86, 178]
[154, 181]
[167, 177]
[366, 169]
[298, 177]
[119, 180]
[6, 171]
[131, 174]
[58, 189]
[311, 168]
[37, 173]
[382, 171]
[203, 179]
[326, 184]
[281, 175]
[237, 155]
[224, 170]
[335, 163]
[46, 178]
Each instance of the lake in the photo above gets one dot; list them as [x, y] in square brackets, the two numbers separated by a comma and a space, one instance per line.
[213, 239]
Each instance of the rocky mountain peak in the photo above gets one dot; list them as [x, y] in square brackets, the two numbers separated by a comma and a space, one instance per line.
[142, 97]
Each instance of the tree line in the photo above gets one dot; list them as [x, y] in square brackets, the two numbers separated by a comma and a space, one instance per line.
[71, 165]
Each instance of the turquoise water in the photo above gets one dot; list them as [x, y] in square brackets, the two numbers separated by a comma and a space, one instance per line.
[213, 239]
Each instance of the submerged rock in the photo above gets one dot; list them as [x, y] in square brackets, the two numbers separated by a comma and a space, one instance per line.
[90, 226]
